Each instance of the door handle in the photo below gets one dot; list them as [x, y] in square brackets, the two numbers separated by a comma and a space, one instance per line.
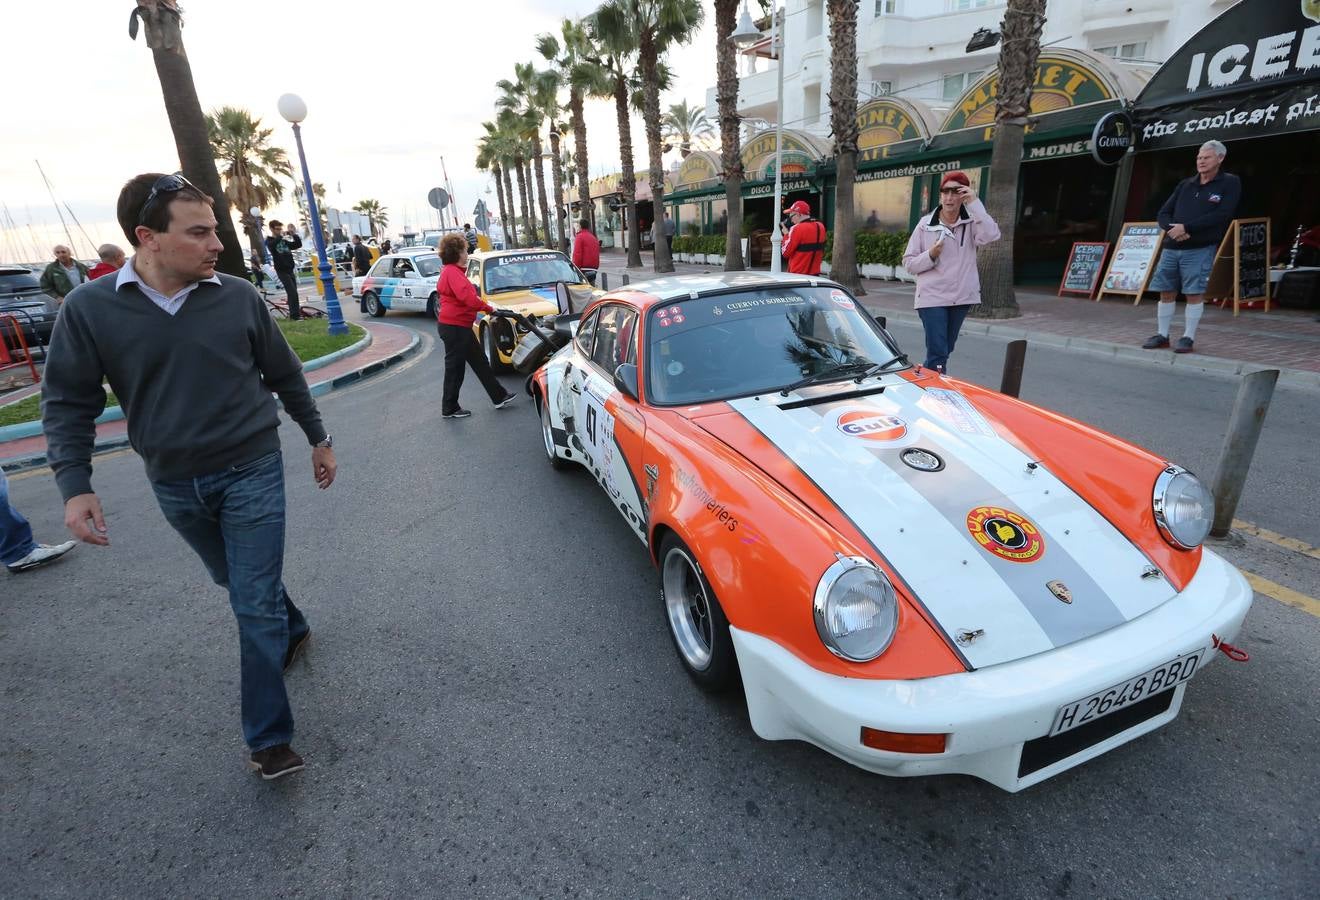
[573, 386]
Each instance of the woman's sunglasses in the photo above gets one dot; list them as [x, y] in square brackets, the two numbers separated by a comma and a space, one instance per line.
[166, 184]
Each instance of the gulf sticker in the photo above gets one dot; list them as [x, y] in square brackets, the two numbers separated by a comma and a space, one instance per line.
[870, 425]
[1006, 534]
[841, 299]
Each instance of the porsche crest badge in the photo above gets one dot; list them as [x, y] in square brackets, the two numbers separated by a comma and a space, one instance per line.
[1060, 590]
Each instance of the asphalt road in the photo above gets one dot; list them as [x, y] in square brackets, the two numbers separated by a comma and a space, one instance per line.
[491, 707]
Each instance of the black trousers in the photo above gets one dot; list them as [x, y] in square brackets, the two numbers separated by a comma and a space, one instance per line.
[461, 349]
[290, 282]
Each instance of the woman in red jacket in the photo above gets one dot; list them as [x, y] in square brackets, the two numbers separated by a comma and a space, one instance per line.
[459, 305]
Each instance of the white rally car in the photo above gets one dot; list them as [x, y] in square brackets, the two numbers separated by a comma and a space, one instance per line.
[403, 281]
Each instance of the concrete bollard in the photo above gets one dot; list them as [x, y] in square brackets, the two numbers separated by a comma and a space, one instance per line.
[626, 279]
[1015, 358]
[604, 281]
[1244, 425]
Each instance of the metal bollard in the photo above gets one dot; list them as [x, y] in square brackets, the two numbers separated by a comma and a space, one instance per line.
[1244, 425]
[1015, 358]
[626, 279]
[604, 281]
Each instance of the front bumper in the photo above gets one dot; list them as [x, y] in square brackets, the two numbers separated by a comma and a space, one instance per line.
[988, 714]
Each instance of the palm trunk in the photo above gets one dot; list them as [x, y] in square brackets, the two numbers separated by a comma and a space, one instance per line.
[510, 223]
[580, 158]
[1023, 22]
[191, 139]
[499, 198]
[649, 62]
[538, 159]
[557, 175]
[529, 232]
[629, 176]
[726, 91]
[843, 122]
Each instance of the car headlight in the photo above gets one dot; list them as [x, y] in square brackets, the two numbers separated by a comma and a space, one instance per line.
[856, 609]
[1184, 508]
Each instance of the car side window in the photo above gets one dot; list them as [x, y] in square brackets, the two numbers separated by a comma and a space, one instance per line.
[586, 331]
[402, 269]
[625, 349]
[473, 270]
[606, 349]
[381, 269]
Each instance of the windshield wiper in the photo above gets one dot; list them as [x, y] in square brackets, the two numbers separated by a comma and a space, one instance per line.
[880, 367]
[506, 289]
[833, 372]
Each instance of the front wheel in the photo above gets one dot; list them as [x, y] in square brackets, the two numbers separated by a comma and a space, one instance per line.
[373, 304]
[697, 623]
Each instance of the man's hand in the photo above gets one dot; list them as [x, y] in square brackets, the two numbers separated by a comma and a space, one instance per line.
[324, 466]
[77, 511]
[1178, 233]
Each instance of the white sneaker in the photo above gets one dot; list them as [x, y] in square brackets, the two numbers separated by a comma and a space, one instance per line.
[509, 398]
[44, 554]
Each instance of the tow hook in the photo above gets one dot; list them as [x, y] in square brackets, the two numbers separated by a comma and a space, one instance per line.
[1237, 654]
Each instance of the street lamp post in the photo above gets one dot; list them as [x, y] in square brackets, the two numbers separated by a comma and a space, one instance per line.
[294, 110]
[745, 35]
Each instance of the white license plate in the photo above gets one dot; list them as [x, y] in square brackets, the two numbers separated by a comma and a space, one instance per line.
[1163, 677]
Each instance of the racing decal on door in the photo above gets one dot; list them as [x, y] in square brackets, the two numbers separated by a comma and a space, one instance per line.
[1006, 534]
[603, 457]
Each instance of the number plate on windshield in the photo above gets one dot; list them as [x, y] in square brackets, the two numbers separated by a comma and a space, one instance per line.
[1163, 677]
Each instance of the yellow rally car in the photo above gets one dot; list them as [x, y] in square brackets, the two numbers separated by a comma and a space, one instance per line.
[523, 281]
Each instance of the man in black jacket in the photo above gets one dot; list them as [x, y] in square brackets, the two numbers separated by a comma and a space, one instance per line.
[1195, 219]
[361, 257]
[281, 247]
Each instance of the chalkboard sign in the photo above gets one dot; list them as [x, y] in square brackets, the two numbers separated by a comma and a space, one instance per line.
[1133, 260]
[1242, 269]
[1085, 265]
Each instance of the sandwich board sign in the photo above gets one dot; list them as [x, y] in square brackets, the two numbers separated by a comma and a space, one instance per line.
[1133, 262]
[1242, 264]
[1085, 264]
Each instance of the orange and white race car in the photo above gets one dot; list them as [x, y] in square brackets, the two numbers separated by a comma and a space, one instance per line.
[914, 573]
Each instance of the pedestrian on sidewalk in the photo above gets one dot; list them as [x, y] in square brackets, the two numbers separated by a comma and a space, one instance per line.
[18, 551]
[63, 275]
[112, 260]
[586, 251]
[281, 243]
[459, 305]
[942, 255]
[193, 356]
[804, 242]
[670, 229]
[361, 257]
[1194, 218]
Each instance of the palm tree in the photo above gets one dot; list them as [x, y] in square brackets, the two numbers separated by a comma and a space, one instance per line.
[684, 124]
[163, 26]
[515, 125]
[575, 58]
[252, 168]
[1020, 48]
[843, 122]
[547, 98]
[490, 156]
[653, 26]
[375, 213]
[614, 81]
[726, 93]
[523, 95]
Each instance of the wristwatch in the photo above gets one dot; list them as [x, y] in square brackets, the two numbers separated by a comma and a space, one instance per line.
[327, 442]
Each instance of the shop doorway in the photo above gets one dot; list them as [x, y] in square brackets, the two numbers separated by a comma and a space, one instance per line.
[760, 217]
[1060, 201]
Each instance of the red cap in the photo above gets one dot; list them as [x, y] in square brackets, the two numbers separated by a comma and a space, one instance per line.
[958, 176]
[800, 207]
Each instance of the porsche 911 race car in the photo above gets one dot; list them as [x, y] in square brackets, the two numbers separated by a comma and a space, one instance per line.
[917, 574]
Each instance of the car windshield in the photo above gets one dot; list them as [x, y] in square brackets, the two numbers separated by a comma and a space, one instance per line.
[734, 345]
[428, 266]
[13, 282]
[513, 273]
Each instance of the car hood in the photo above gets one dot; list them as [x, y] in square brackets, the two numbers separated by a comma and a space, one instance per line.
[539, 301]
[1005, 559]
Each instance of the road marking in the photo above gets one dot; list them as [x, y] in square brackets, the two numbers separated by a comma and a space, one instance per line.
[1277, 539]
[1284, 595]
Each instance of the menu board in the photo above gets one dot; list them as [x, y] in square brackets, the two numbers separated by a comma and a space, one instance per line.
[1241, 271]
[1086, 262]
[1133, 262]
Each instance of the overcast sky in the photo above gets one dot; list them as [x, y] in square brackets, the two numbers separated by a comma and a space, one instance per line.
[390, 88]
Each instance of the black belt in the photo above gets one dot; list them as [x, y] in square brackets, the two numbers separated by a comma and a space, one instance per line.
[809, 248]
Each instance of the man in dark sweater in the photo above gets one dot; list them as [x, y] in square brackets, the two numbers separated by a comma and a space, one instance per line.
[281, 246]
[193, 357]
[1195, 219]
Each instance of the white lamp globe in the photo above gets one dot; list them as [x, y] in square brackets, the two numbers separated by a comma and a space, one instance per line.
[255, 211]
[292, 108]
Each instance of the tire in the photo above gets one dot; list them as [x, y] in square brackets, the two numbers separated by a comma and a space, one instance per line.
[433, 307]
[697, 624]
[371, 303]
[491, 350]
[548, 436]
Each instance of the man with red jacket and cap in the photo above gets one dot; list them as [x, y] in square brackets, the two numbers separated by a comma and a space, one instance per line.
[804, 248]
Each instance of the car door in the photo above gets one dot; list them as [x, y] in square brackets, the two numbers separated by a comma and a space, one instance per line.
[410, 290]
[610, 428]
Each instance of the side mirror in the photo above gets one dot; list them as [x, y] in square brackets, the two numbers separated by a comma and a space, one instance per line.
[882, 322]
[625, 379]
[566, 326]
[563, 298]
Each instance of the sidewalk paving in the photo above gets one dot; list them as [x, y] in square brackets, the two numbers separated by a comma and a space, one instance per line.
[390, 344]
[1284, 339]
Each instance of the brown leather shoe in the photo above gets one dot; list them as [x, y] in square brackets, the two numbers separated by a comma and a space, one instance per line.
[295, 650]
[276, 762]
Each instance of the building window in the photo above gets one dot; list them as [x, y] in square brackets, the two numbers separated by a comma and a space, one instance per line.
[885, 7]
[884, 87]
[1136, 50]
[883, 205]
[955, 85]
[960, 5]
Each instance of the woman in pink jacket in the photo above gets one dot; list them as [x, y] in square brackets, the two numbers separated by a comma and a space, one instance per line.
[942, 255]
[459, 305]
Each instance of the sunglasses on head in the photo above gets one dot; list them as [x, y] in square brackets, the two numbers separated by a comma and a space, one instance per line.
[166, 184]
[950, 190]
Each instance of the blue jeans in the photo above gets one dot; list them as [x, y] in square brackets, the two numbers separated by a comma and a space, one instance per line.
[234, 520]
[15, 532]
[942, 324]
